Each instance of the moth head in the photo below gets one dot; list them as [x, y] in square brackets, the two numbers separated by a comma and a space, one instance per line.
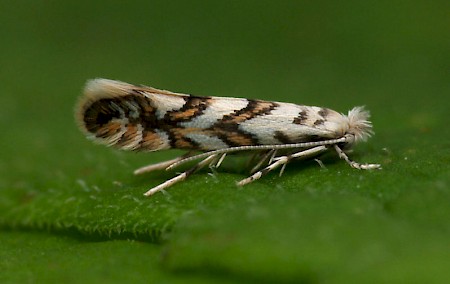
[359, 126]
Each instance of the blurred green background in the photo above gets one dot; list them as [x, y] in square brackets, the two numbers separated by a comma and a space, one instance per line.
[72, 211]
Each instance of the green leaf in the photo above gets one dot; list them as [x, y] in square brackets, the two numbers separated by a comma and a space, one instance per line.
[73, 211]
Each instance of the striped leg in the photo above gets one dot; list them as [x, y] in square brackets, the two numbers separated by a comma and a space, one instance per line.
[354, 164]
[282, 161]
[181, 176]
[161, 166]
[267, 157]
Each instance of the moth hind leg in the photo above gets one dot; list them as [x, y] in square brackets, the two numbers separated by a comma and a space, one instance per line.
[282, 161]
[264, 157]
[214, 164]
[161, 165]
[208, 160]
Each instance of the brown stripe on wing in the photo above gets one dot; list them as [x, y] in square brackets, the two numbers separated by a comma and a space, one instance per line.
[253, 109]
[147, 119]
[178, 139]
[323, 112]
[301, 118]
[227, 129]
[108, 130]
[106, 117]
[151, 141]
[103, 111]
[193, 107]
[283, 138]
[129, 136]
[319, 122]
[147, 116]
[99, 114]
[233, 137]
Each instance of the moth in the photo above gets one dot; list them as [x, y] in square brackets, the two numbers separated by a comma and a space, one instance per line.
[141, 118]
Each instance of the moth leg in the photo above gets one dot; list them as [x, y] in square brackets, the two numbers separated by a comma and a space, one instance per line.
[256, 157]
[354, 164]
[219, 161]
[282, 161]
[269, 155]
[272, 157]
[282, 170]
[181, 176]
[160, 166]
[214, 164]
[320, 163]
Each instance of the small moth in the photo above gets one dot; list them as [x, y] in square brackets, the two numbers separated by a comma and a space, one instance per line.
[140, 118]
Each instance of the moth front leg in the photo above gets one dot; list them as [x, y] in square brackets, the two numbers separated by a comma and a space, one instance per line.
[354, 164]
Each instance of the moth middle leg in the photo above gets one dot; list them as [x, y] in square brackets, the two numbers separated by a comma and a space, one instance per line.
[282, 161]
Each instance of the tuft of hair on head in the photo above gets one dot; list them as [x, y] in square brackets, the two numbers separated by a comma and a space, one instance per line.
[358, 123]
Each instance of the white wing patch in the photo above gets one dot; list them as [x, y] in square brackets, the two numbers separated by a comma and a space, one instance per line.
[215, 112]
[165, 103]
